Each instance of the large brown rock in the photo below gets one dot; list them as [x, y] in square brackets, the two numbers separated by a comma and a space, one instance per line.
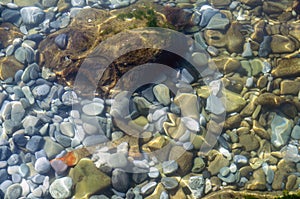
[8, 33]
[8, 67]
[92, 27]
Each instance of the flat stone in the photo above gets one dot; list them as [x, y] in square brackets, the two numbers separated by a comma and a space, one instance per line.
[258, 182]
[52, 148]
[153, 172]
[17, 111]
[199, 165]
[41, 91]
[14, 191]
[28, 94]
[265, 46]
[249, 141]
[61, 188]
[291, 182]
[218, 162]
[59, 166]
[93, 109]
[9, 66]
[32, 15]
[296, 132]
[148, 188]
[23, 3]
[289, 87]
[49, 3]
[218, 22]
[117, 160]
[169, 183]
[42, 165]
[282, 44]
[34, 143]
[287, 68]
[269, 100]
[120, 180]
[85, 176]
[281, 130]
[190, 124]
[169, 167]
[162, 94]
[188, 104]
[67, 129]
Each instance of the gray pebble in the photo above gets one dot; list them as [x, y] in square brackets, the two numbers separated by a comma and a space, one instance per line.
[265, 47]
[16, 178]
[35, 143]
[4, 153]
[61, 41]
[42, 165]
[10, 50]
[24, 55]
[247, 50]
[67, 129]
[27, 92]
[240, 159]
[94, 139]
[24, 170]
[61, 188]
[13, 159]
[93, 109]
[117, 160]
[59, 166]
[38, 178]
[49, 3]
[120, 180]
[4, 185]
[169, 166]
[17, 112]
[32, 15]
[148, 188]
[30, 73]
[65, 141]
[41, 91]
[153, 172]
[296, 132]
[169, 183]
[78, 3]
[10, 15]
[224, 171]
[14, 191]
[206, 16]
[229, 179]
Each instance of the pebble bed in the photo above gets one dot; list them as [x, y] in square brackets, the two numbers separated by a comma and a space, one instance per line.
[257, 150]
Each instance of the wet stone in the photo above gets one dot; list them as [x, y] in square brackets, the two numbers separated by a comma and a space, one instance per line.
[41, 91]
[162, 94]
[42, 165]
[169, 167]
[61, 188]
[296, 132]
[93, 109]
[148, 188]
[169, 183]
[32, 15]
[281, 130]
[61, 41]
[218, 22]
[120, 180]
[14, 191]
[59, 166]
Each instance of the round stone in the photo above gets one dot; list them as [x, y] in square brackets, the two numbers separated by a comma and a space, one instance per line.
[13, 159]
[148, 188]
[224, 171]
[61, 41]
[169, 183]
[24, 170]
[93, 109]
[153, 172]
[41, 90]
[59, 166]
[14, 191]
[42, 165]
[61, 188]
[117, 160]
[24, 55]
[120, 180]
[35, 143]
[190, 124]
[32, 15]
[67, 129]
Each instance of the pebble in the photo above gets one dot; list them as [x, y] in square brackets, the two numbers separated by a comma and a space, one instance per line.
[207, 14]
[41, 91]
[169, 183]
[24, 55]
[218, 22]
[240, 159]
[13, 159]
[10, 15]
[162, 94]
[34, 143]
[120, 180]
[247, 50]
[27, 92]
[61, 188]
[20, 140]
[16, 178]
[32, 15]
[93, 109]
[4, 153]
[59, 166]
[148, 188]
[190, 124]
[265, 47]
[117, 160]
[24, 170]
[281, 130]
[78, 3]
[296, 132]
[153, 172]
[14, 191]
[61, 41]
[169, 167]
[42, 165]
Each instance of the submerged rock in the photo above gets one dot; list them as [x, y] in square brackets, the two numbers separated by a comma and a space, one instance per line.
[281, 130]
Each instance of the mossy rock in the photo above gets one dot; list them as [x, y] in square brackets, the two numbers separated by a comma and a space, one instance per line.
[88, 179]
